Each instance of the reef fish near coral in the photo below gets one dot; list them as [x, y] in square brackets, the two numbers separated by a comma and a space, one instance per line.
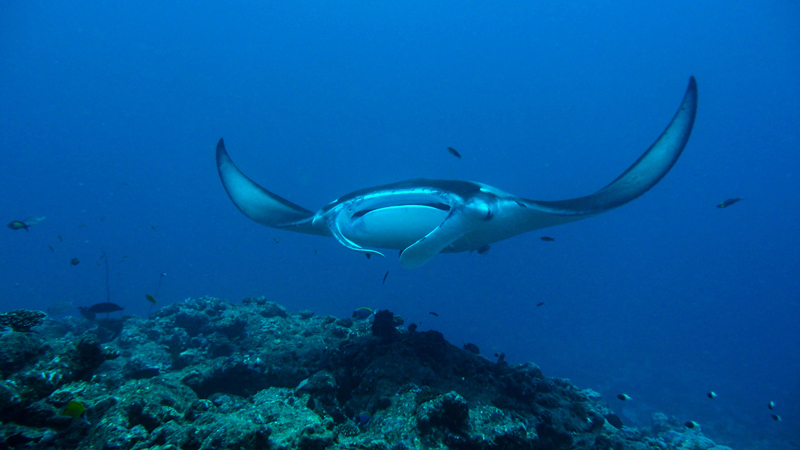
[423, 217]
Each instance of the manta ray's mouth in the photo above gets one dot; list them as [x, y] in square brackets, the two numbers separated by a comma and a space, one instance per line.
[435, 205]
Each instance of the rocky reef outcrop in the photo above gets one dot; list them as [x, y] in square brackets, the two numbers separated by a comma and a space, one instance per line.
[209, 374]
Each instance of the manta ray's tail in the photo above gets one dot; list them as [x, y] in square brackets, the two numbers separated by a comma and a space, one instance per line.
[258, 203]
[648, 170]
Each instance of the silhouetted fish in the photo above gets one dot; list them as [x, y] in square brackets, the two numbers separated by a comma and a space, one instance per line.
[384, 277]
[24, 224]
[362, 313]
[614, 420]
[105, 307]
[729, 202]
[547, 239]
[454, 152]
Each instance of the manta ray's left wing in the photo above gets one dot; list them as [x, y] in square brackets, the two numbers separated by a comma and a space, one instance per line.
[260, 204]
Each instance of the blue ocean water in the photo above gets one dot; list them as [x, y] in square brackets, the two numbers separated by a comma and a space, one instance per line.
[109, 115]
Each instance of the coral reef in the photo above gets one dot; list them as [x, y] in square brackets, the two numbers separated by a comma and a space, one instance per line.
[208, 374]
[22, 319]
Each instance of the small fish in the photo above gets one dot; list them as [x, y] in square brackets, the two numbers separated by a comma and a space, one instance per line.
[369, 255]
[711, 395]
[547, 239]
[362, 419]
[83, 225]
[153, 227]
[454, 152]
[692, 424]
[362, 313]
[384, 277]
[729, 202]
[51, 248]
[18, 225]
[540, 304]
[60, 238]
[484, 250]
[276, 240]
[777, 418]
[315, 251]
[74, 261]
[624, 397]
[74, 409]
[103, 219]
[614, 420]
[771, 405]
[24, 224]
[433, 314]
[150, 298]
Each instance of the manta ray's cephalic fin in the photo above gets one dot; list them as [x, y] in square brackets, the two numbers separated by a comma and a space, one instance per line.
[451, 229]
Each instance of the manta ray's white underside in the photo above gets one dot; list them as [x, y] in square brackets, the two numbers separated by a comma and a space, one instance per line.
[424, 217]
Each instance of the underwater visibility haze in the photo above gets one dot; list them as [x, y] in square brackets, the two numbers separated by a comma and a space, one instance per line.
[110, 115]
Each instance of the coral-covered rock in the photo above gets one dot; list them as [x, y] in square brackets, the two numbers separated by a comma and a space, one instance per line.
[207, 374]
[21, 319]
[447, 411]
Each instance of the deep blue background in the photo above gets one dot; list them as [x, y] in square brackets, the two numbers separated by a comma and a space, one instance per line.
[109, 115]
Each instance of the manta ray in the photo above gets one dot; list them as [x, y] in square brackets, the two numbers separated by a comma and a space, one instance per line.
[424, 217]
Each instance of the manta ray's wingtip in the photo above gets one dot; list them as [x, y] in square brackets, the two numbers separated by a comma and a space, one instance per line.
[221, 149]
